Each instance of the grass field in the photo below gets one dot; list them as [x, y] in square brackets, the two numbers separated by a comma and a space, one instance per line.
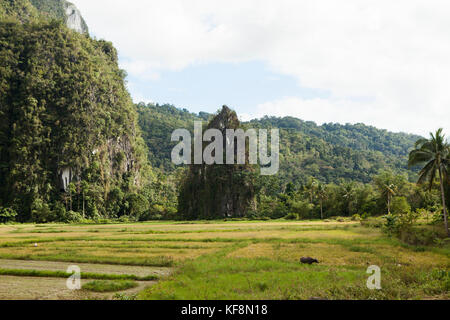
[218, 260]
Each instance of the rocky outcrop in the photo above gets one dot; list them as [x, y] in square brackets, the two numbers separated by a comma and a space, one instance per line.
[74, 20]
[63, 10]
[218, 191]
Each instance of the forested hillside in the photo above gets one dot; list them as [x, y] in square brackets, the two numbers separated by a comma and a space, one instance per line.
[21, 10]
[329, 153]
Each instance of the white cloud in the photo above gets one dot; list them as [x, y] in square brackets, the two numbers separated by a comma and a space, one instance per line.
[392, 53]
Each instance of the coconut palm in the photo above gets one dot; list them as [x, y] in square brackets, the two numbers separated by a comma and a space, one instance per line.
[388, 190]
[310, 188]
[434, 154]
[348, 193]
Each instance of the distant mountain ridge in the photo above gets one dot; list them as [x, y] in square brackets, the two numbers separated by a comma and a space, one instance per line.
[330, 152]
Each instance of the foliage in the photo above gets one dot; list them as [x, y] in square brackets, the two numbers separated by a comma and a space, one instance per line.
[21, 10]
[434, 155]
[7, 215]
[328, 153]
[218, 191]
[400, 206]
[109, 286]
[64, 107]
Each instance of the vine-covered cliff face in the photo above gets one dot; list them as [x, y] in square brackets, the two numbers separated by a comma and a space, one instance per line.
[69, 134]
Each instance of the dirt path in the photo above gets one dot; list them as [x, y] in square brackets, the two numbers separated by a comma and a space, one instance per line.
[85, 267]
[29, 288]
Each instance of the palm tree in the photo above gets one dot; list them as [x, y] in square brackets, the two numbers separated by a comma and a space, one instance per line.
[310, 188]
[348, 193]
[434, 153]
[322, 195]
[388, 190]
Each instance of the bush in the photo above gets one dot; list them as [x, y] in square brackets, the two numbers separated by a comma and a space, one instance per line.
[279, 211]
[124, 219]
[137, 205]
[41, 213]
[423, 235]
[292, 216]
[302, 209]
[73, 217]
[7, 215]
[60, 213]
[400, 206]
[372, 223]
[401, 224]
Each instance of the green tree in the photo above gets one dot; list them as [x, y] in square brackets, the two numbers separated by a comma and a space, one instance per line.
[433, 154]
[7, 215]
[310, 189]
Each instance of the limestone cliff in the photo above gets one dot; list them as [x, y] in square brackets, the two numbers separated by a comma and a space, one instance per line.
[64, 10]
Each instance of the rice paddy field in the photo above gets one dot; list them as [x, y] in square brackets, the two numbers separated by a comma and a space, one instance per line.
[217, 260]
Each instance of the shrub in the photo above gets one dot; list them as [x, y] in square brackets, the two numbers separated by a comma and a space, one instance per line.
[279, 211]
[423, 235]
[291, 216]
[41, 213]
[7, 215]
[400, 225]
[400, 206]
[60, 213]
[302, 209]
[124, 219]
[73, 217]
[137, 205]
[372, 223]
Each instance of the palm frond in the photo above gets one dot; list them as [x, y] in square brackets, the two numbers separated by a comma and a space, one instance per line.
[425, 173]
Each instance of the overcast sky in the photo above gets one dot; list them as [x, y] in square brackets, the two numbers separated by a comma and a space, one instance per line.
[384, 63]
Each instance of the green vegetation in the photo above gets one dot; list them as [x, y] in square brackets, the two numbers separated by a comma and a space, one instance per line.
[328, 153]
[249, 259]
[157, 261]
[52, 8]
[217, 191]
[57, 9]
[61, 274]
[21, 10]
[109, 286]
[435, 154]
[75, 149]
[70, 146]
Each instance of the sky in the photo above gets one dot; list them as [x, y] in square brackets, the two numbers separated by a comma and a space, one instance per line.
[383, 63]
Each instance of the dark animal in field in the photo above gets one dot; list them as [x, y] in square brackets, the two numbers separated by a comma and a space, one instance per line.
[308, 260]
